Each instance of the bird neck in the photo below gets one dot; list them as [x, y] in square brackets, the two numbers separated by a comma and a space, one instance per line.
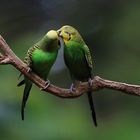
[74, 42]
[48, 45]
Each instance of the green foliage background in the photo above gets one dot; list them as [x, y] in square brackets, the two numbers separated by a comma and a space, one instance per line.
[112, 31]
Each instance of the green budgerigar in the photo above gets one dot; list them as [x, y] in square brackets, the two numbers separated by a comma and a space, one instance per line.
[40, 59]
[78, 59]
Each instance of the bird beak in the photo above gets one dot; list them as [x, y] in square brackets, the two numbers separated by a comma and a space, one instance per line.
[59, 33]
[60, 38]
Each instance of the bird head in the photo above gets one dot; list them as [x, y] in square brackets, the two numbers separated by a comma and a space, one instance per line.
[52, 39]
[52, 34]
[68, 33]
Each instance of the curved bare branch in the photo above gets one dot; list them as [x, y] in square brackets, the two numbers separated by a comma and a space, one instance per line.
[8, 57]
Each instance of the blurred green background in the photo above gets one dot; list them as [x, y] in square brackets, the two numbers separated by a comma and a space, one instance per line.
[111, 29]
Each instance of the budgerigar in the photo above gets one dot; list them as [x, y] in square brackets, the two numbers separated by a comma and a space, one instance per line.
[78, 59]
[40, 59]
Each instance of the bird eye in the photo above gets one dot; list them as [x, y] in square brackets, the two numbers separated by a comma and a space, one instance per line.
[67, 32]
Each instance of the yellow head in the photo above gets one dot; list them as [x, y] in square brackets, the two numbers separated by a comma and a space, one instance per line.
[68, 33]
[52, 34]
[51, 40]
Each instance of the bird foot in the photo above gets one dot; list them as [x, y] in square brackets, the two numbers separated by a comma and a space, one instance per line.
[29, 70]
[90, 82]
[72, 88]
[46, 85]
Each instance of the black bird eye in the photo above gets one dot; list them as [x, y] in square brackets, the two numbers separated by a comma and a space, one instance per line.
[67, 32]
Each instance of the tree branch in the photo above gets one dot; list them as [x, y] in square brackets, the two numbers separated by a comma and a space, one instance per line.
[7, 56]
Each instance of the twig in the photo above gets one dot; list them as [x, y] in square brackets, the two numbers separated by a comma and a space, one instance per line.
[8, 57]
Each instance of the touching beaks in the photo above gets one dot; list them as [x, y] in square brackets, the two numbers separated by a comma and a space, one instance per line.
[59, 33]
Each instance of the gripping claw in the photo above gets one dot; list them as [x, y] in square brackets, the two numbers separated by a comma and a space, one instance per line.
[29, 70]
[90, 82]
[72, 88]
[46, 85]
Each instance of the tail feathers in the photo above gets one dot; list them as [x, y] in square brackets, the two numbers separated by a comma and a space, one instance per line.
[92, 108]
[27, 89]
[21, 83]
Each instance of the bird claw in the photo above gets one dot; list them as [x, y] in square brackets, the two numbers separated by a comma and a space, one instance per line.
[29, 70]
[72, 88]
[90, 82]
[46, 85]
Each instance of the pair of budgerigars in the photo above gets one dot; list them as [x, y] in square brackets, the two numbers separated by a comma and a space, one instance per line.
[43, 54]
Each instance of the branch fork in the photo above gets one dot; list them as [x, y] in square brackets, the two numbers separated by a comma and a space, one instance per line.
[7, 56]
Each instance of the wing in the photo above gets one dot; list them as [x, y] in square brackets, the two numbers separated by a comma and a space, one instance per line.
[88, 58]
[90, 99]
[28, 57]
[28, 61]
